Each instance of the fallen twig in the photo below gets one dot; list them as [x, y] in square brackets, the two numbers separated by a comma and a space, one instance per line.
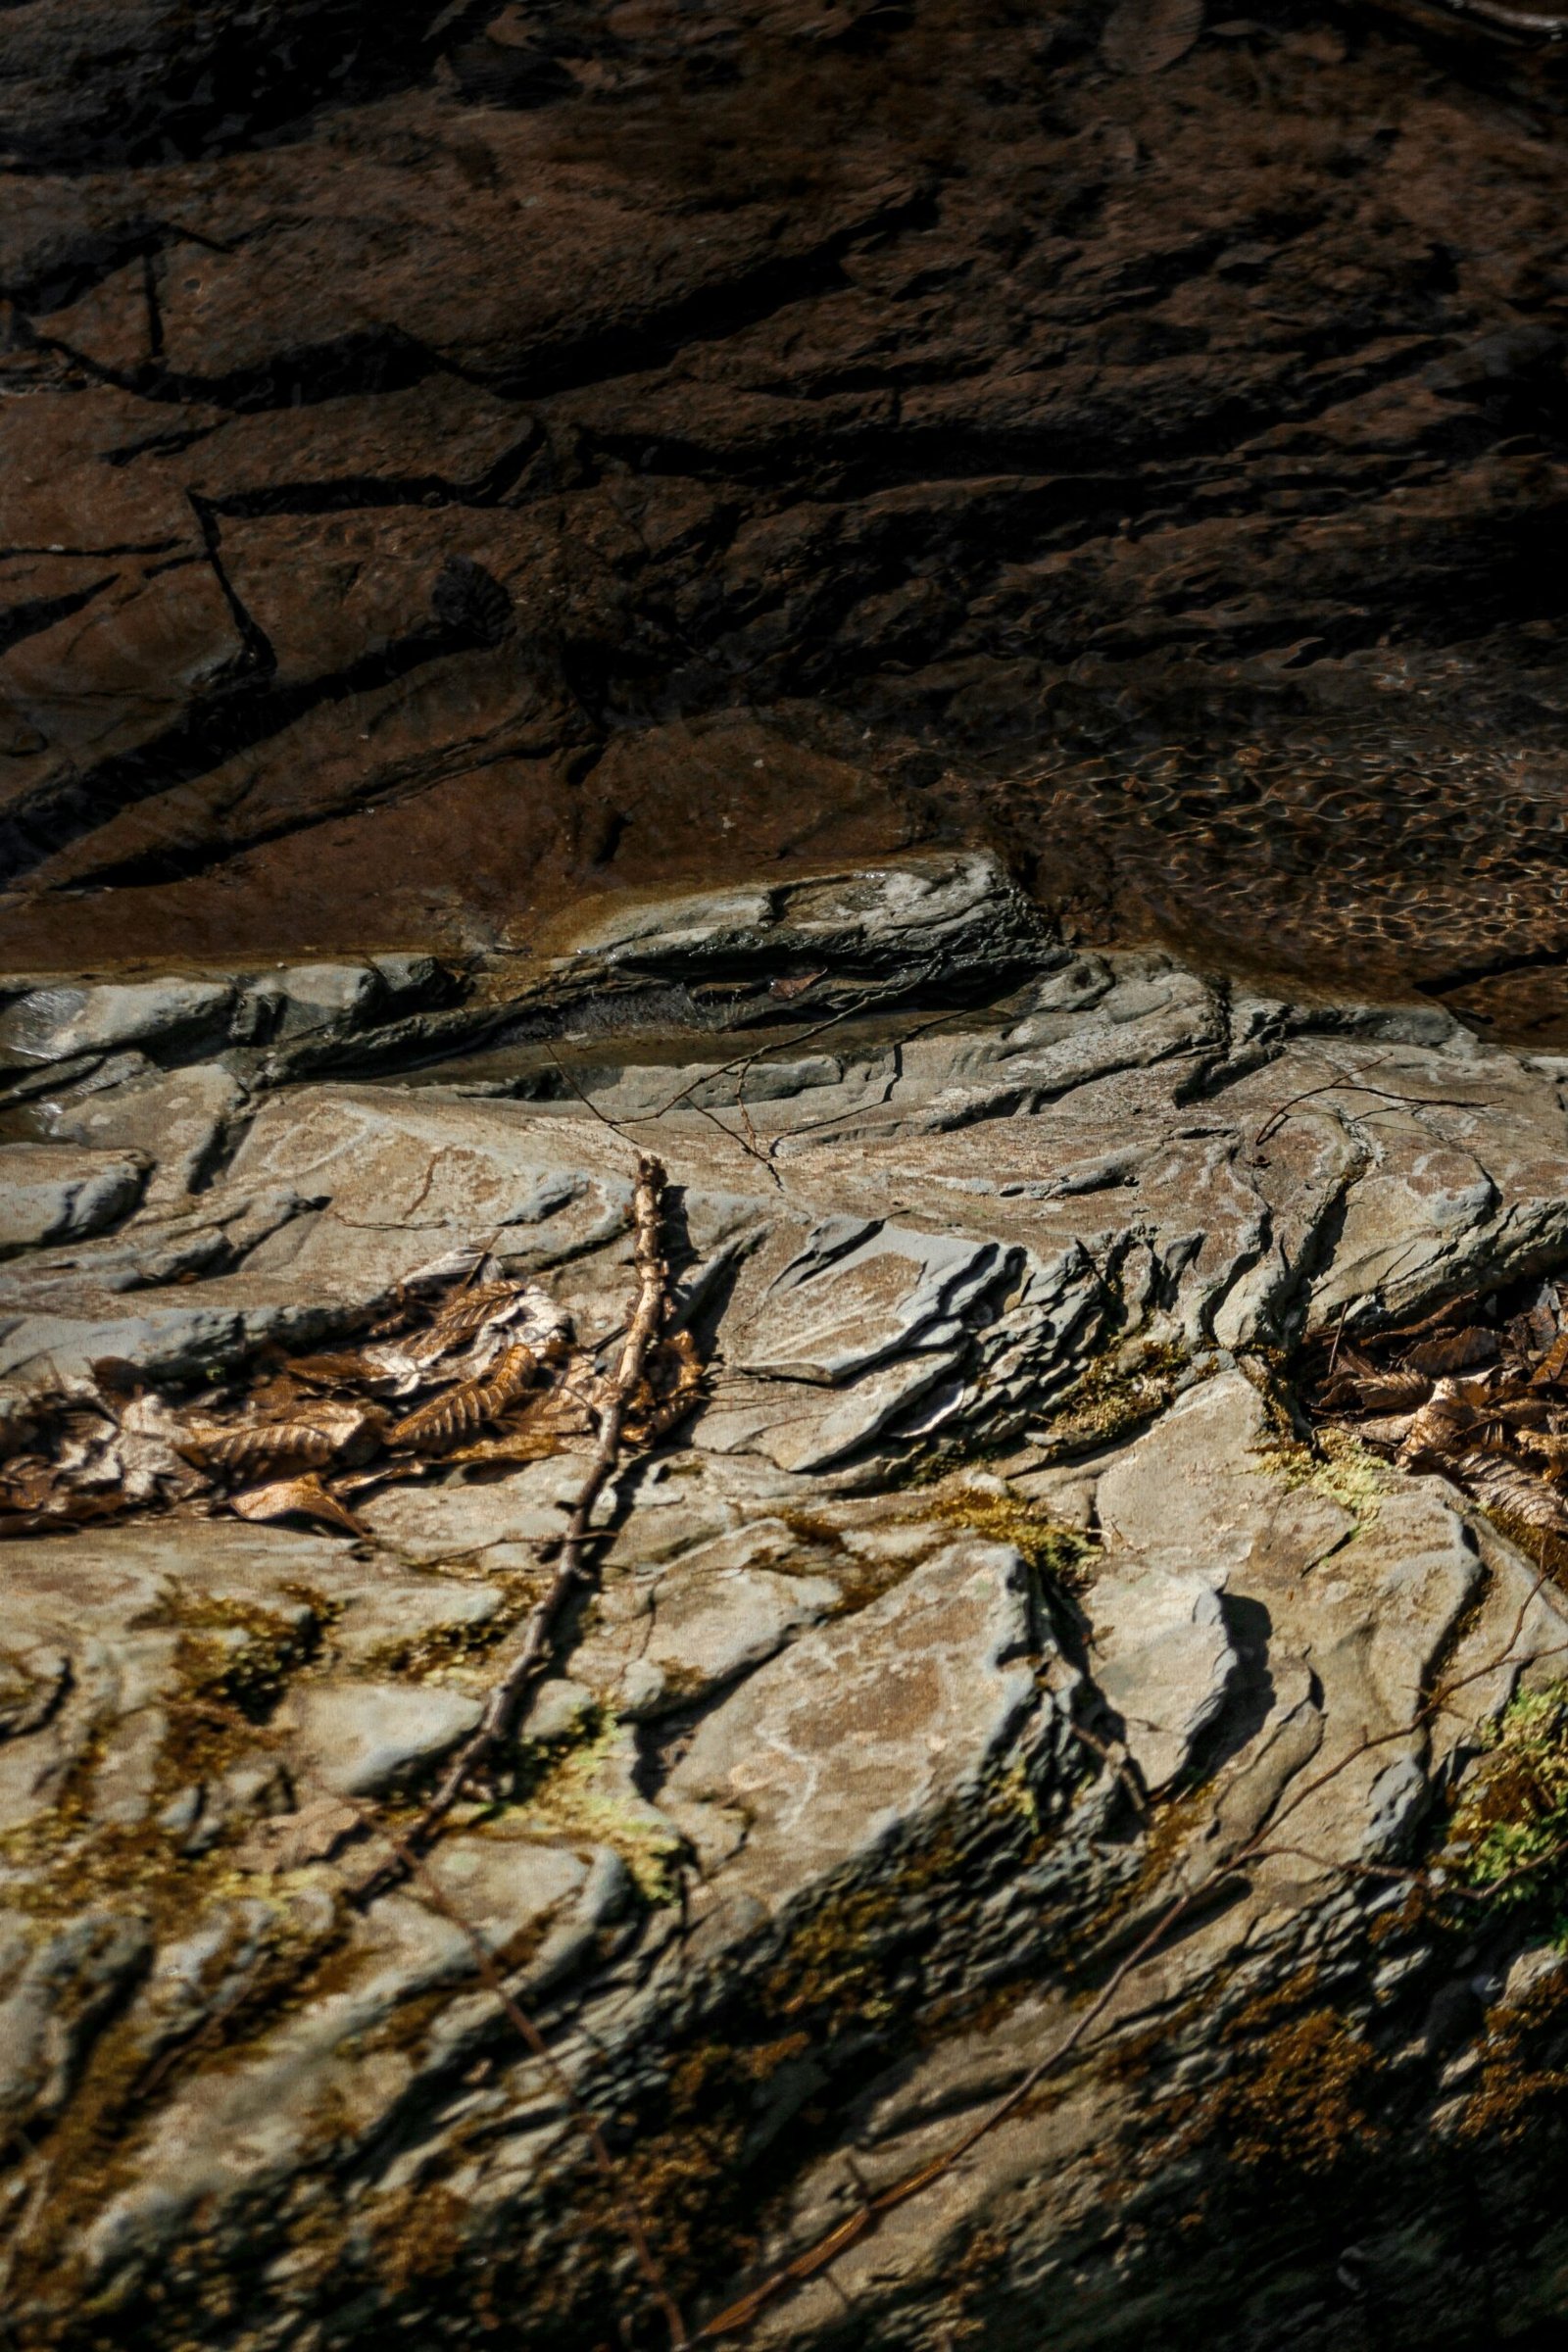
[572, 1566]
[1353, 1083]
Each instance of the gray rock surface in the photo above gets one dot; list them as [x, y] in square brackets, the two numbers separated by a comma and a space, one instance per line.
[857, 1772]
[47, 1195]
[859, 1732]
[361, 1739]
[55, 1024]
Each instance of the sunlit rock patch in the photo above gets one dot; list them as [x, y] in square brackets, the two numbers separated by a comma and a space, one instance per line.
[1016, 1658]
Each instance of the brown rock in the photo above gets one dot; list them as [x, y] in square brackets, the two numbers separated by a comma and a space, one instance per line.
[1152, 470]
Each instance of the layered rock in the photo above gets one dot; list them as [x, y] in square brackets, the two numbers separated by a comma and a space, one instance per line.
[989, 1684]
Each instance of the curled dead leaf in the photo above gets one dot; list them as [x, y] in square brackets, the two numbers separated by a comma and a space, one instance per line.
[246, 1451]
[347, 1368]
[287, 1496]
[482, 1321]
[346, 1433]
[1533, 1332]
[1384, 1429]
[467, 1313]
[525, 1445]
[1442, 1431]
[1548, 1448]
[1504, 1486]
[60, 1511]
[1373, 1392]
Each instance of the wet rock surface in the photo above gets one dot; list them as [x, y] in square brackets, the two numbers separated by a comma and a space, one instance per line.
[510, 450]
[991, 1679]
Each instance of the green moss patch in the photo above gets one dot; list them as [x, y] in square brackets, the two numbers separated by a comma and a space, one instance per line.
[1508, 1835]
[1339, 1466]
[1114, 1396]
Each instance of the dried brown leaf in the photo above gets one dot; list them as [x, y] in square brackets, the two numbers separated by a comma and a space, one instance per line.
[1547, 1451]
[1144, 36]
[1552, 1369]
[1535, 1330]
[1446, 1317]
[328, 1431]
[483, 1321]
[525, 1445]
[305, 1495]
[147, 1451]
[1454, 1350]
[347, 1369]
[464, 1314]
[251, 1447]
[463, 1411]
[1507, 1487]
[568, 1409]
[1440, 1431]
[58, 1510]
[1388, 1429]
[1523, 1412]
[1375, 1391]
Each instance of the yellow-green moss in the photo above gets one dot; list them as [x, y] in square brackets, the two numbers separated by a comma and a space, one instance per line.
[565, 1801]
[1339, 1466]
[1051, 1547]
[1508, 1833]
[1115, 1396]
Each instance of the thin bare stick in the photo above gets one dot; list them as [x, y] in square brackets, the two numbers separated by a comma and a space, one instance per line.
[626, 2214]
[1354, 1085]
[744, 1062]
[573, 1568]
[604, 1118]
[730, 1137]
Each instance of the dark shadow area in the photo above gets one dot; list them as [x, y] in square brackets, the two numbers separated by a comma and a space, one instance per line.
[1140, 448]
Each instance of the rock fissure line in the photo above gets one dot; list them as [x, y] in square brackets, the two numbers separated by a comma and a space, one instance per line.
[736, 2317]
[980, 1609]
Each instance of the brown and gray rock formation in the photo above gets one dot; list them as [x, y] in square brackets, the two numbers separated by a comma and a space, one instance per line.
[991, 1603]
[448, 454]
